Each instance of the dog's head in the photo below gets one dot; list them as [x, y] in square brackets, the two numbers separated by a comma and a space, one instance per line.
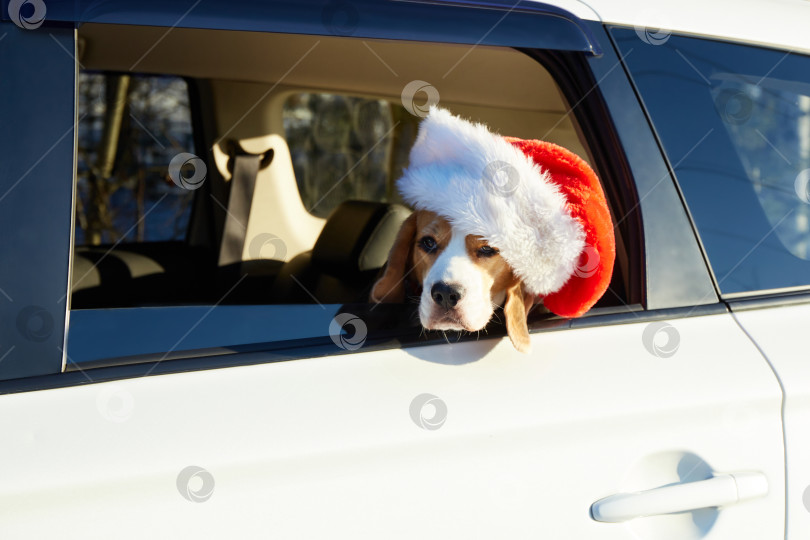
[463, 279]
[498, 221]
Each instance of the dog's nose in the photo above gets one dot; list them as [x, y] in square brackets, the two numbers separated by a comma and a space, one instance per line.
[446, 295]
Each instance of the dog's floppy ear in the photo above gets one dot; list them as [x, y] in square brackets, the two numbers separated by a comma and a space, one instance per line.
[515, 311]
[390, 288]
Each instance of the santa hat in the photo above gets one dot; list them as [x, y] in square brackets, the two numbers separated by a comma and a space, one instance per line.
[541, 205]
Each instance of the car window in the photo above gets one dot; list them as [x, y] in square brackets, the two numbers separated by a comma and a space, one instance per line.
[312, 240]
[363, 142]
[734, 121]
[124, 193]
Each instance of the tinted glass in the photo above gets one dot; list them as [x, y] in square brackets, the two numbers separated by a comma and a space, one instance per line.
[734, 121]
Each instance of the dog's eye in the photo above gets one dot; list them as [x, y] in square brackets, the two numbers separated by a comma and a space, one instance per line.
[487, 251]
[428, 244]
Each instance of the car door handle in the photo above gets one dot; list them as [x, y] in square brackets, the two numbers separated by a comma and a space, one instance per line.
[719, 490]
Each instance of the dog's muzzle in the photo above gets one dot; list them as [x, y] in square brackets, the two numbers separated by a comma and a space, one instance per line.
[446, 295]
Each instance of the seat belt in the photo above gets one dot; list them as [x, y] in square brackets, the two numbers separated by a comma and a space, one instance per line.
[243, 184]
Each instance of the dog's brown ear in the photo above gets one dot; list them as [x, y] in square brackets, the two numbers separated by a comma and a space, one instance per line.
[515, 311]
[390, 288]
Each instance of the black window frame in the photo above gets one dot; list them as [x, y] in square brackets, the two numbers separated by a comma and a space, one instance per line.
[38, 88]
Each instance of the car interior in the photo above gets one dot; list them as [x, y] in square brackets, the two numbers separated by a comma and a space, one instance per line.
[301, 139]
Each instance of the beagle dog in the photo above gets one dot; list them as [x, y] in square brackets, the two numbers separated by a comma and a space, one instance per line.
[460, 279]
[541, 206]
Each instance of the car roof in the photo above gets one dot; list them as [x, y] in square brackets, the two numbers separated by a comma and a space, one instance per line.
[771, 23]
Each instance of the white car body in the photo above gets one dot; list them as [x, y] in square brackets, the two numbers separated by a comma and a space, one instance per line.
[319, 447]
[773, 24]
[449, 440]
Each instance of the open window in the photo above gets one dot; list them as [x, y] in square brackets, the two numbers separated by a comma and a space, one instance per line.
[297, 208]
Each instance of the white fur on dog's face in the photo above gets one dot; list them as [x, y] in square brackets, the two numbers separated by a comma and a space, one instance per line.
[464, 268]
[449, 262]
[455, 267]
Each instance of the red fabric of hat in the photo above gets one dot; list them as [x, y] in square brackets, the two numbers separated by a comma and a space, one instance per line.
[587, 204]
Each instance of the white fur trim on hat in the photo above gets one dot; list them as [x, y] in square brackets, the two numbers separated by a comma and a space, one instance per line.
[452, 173]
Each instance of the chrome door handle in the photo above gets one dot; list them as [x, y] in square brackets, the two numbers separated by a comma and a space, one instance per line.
[719, 490]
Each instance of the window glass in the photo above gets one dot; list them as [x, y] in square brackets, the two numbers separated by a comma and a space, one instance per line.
[734, 121]
[130, 128]
[346, 147]
[769, 126]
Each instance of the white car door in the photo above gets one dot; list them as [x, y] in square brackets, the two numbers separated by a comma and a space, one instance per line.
[461, 440]
[779, 332]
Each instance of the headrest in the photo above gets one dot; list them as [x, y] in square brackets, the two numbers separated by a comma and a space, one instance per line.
[357, 237]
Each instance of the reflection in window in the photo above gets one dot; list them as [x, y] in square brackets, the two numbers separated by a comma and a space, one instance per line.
[130, 127]
[769, 124]
[734, 121]
[346, 147]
